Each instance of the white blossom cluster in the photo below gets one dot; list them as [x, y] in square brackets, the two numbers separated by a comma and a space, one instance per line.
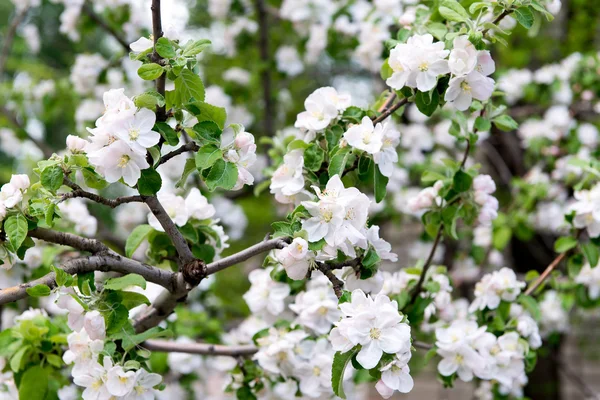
[501, 285]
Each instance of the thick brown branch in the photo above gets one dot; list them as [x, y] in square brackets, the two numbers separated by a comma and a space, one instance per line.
[68, 239]
[337, 283]
[112, 203]
[104, 263]
[157, 33]
[183, 250]
[89, 11]
[199, 348]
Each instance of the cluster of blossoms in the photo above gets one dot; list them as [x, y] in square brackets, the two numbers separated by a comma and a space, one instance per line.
[590, 278]
[86, 344]
[380, 141]
[11, 194]
[484, 186]
[493, 288]
[587, 213]
[427, 198]
[322, 107]
[377, 327]
[418, 63]
[242, 152]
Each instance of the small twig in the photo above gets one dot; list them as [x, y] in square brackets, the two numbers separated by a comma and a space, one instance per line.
[267, 245]
[89, 11]
[497, 20]
[157, 33]
[390, 110]
[337, 283]
[387, 103]
[199, 348]
[112, 203]
[190, 146]
[422, 345]
[427, 264]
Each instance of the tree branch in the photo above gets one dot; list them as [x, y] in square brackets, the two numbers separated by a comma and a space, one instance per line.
[199, 348]
[263, 44]
[421, 280]
[89, 11]
[9, 37]
[190, 146]
[104, 263]
[389, 111]
[112, 203]
[337, 283]
[183, 250]
[12, 118]
[68, 239]
[166, 303]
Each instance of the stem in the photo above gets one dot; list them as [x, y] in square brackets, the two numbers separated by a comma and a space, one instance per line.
[263, 44]
[89, 11]
[112, 203]
[157, 33]
[417, 288]
[497, 20]
[199, 348]
[390, 111]
[267, 245]
[190, 146]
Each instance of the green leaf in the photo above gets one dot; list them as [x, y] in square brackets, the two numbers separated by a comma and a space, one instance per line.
[222, 174]
[168, 133]
[505, 123]
[17, 359]
[52, 178]
[207, 112]
[207, 156]
[501, 237]
[165, 48]
[437, 30]
[190, 166]
[149, 99]
[149, 183]
[39, 291]
[462, 181]
[591, 252]
[188, 87]
[16, 230]
[137, 237]
[133, 299]
[531, 305]
[62, 278]
[55, 360]
[453, 11]
[365, 163]
[524, 16]
[208, 131]
[338, 162]
[381, 182]
[34, 384]
[313, 157]
[482, 124]
[564, 243]
[370, 259]
[193, 48]
[92, 179]
[427, 102]
[116, 319]
[150, 72]
[130, 341]
[124, 282]
[340, 362]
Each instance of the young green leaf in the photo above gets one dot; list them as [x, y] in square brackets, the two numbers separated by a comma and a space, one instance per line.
[137, 237]
[207, 156]
[16, 229]
[125, 282]
[453, 11]
[188, 87]
[39, 291]
[381, 182]
[149, 183]
[564, 243]
[340, 362]
[525, 16]
[150, 72]
[222, 174]
[52, 178]
[165, 48]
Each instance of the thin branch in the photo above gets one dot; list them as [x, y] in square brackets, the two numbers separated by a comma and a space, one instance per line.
[388, 102]
[262, 247]
[68, 239]
[337, 283]
[265, 74]
[497, 20]
[548, 270]
[183, 250]
[89, 11]
[199, 348]
[421, 280]
[190, 146]
[157, 33]
[12, 118]
[390, 110]
[422, 345]
[104, 263]
[9, 38]
[112, 203]
[166, 303]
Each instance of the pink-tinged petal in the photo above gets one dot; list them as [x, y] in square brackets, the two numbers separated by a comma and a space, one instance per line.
[383, 390]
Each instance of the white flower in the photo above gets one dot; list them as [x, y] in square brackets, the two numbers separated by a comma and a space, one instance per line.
[75, 144]
[484, 183]
[396, 375]
[326, 219]
[382, 247]
[288, 179]
[82, 350]
[118, 381]
[184, 363]
[295, 258]
[93, 379]
[417, 63]
[387, 157]
[266, 295]
[176, 209]
[587, 210]
[590, 277]
[75, 311]
[20, 181]
[317, 308]
[365, 136]
[95, 325]
[288, 61]
[117, 161]
[140, 45]
[495, 287]
[463, 57]
[426, 198]
[463, 89]
[137, 131]
[322, 107]
[197, 205]
[144, 384]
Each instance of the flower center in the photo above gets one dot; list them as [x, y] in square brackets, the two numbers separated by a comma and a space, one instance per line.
[424, 66]
[123, 161]
[375, 333]
[123, 379]
[459, 359]
[326, 215]
[322, 310]
[134, 134]
[316, 371]
[465, 87]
